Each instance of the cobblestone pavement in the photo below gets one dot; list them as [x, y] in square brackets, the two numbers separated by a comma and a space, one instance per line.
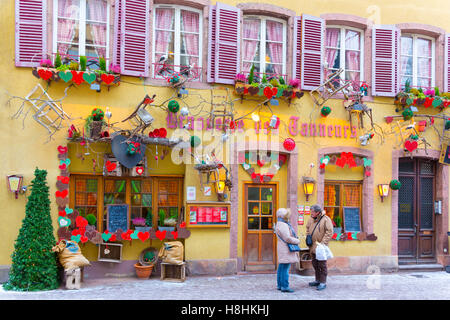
[394, 286]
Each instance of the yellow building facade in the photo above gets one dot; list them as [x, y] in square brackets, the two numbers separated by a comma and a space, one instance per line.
[261, 144]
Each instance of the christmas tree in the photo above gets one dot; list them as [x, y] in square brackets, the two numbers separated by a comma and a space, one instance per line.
[34, 265]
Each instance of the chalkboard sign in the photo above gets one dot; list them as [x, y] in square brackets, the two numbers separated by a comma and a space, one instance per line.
[117, 217]
[352, 220]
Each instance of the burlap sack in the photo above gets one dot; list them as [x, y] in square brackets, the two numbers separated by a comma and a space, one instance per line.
[69, 255]
[171, 252]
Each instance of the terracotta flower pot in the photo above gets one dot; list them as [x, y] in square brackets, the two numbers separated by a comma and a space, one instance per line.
[143, 272]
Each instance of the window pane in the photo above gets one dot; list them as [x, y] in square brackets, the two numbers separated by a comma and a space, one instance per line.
[96, 10]
[164, 18]
[331, 195]
[424, 83]
[80, 185]
[253, 208]
[351, 196]
[423, 47]
[164, 45]
[266, 194]
[332, 212]
[407, 45]
[274, 57]
[253, 223]
[251, 28]
[274, 31]
[96, 34]
[135, 186]
[91, 185]
[146, 200]
[403, 81]
[406, 65]
[266, 223]
[352, 40]
[332, 58]
[333, 38]
[352, 75]
[253, 193]
[136, 200]
[189, 21]
[69, 9]
[189, 44]
[424, 67]
[266, 208]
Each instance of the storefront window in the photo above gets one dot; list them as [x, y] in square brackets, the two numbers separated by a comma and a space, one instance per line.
[156, 199]
[342, 200]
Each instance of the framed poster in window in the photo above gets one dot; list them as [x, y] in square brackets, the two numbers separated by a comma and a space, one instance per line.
[201, 215]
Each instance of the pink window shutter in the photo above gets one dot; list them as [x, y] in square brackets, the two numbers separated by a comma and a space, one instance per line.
[135, 37]
[117, 31]
[31, 33]
[297, 53]
[312, 51]
[227, 43]
[211, 73]
[447, 63]
[385, 68]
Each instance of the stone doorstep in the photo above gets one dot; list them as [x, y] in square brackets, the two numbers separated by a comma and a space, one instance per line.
[421, 267]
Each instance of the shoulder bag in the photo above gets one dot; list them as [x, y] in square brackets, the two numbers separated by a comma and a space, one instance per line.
[309, 240]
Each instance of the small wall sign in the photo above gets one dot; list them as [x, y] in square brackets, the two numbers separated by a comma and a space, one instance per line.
[191, 194]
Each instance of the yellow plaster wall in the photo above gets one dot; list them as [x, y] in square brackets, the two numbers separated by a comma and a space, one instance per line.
[25, 144]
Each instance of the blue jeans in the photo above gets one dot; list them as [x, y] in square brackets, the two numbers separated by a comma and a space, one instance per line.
[283, 276]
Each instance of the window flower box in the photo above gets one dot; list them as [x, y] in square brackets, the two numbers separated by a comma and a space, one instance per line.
[422, 98]
[244, 89]
[76, 77]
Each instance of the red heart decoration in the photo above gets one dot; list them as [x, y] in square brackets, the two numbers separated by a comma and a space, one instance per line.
[62, 166]
[107, 78]
[75, 232]
[367, 173]
[260, 163]
[84, 239]
[322, 166]
[62, 149]
[63, 179]
[126, 235]
[81, 222]
[143, 235]
[45, 74]
[62, 213]
[411, 145]
[113, 238]
[351, 163]
[77, 77]
[175, 234]
[183, 225]
[340, 162]
[111, 166]
[268, 92]
[140, 170]
[61, 194]
[160, 234]
[334, 236]
[428, 102]
[274, 91]
[253, 175]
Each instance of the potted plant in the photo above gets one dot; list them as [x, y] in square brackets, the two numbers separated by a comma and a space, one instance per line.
[140, 224]
[95, 123]
[147, 260]
[149, 220]
[167, 224]
[337, 224]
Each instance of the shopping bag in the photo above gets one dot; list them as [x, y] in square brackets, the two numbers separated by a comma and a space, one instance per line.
[323, 252]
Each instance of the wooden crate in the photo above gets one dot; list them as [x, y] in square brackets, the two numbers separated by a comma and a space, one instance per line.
[173, 272]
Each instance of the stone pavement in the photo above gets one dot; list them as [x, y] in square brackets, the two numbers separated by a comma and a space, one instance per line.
[393, 286]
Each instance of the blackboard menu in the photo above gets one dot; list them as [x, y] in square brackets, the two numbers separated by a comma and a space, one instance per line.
[117, 217]
[352, 220]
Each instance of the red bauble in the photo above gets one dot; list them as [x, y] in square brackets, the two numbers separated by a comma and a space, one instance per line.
[289, 144]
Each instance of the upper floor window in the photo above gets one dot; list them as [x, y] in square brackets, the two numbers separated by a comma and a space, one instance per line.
[344, 50]
[417, 61]
[177, 40]
[264, 45]
[81, 28]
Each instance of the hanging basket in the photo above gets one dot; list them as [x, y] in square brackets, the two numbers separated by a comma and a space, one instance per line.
[96, 129]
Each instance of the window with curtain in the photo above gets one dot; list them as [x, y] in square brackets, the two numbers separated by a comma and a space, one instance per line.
[339, 195]
[417, 61]
[81, 28]
[264, 46]
[177, 39]
[344, 49]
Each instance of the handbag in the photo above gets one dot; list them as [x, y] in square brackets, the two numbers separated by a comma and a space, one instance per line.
[309, 241]
[292, 247]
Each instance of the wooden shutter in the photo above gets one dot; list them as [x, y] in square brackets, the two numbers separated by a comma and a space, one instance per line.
[211, 73]
[117, 31]
[224, 55]
[296, 65]
[385, 51]
[312, 47]
[31, 32]
[447, 63]
[135, 36]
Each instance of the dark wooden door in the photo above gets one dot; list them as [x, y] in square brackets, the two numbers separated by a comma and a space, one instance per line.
[416, 220]
[260, 205]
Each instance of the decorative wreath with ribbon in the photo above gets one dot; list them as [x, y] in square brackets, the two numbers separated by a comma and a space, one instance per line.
[261, 161]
